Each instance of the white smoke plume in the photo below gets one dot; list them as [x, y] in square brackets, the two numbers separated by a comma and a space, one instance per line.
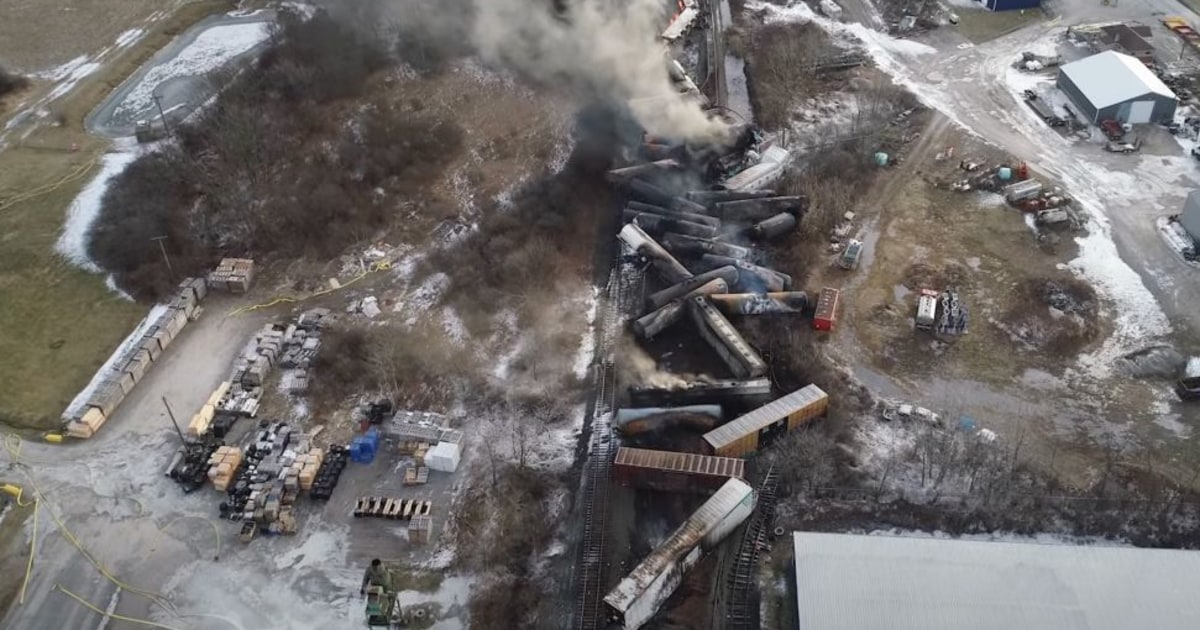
[603, 48]
[638, 368]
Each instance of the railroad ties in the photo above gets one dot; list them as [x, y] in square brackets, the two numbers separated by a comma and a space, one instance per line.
[621, 296]
[742, 584]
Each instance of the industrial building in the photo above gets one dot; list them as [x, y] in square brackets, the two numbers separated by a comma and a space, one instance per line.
[1011, 5]
[1115, 86]
[1190, 217]
[855, 581]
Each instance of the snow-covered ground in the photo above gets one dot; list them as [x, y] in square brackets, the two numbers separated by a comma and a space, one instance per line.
[977, 88]
[72, 243]
[211, 50]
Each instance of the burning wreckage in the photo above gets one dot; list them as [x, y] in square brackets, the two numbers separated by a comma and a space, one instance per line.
[704, 246]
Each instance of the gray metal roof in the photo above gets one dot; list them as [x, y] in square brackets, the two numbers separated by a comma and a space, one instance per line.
[764, 416]
[894, 583]
[1111, 77]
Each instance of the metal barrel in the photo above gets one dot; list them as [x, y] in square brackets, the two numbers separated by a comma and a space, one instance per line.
[650, 193]
[774, 227]
[658, 224]
[784, 302]
[751, 278]
[729, 274]
[684, 245]
[760, 209]
[662, 261]
[706, 219]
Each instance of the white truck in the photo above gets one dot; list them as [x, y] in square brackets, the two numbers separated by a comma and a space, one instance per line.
[926, 308]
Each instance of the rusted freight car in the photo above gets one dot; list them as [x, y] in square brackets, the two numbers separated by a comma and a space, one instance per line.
[747, 433]
[637, 597]
[674, 472]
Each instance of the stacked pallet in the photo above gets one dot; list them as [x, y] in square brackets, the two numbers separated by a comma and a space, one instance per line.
[157, 331]
[223, 465]
[233, 275]
[384, 507]
[420, 529]
[201, 421]
[416, 475]
[306, 466]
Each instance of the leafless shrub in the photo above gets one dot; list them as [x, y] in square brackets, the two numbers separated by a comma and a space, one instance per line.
[343, 366]
[10, 82]
[273, 167]
[781, 63]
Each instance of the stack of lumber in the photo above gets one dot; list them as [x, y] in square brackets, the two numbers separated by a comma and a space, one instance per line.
[87, 425]
[223, 465]
[201, 421]
[306, 466]
[233, 275]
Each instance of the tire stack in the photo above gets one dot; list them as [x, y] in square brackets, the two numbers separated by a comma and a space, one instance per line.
[329, 473]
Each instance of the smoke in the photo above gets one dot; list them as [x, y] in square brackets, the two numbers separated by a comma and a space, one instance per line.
[640, 369]
[602, 50]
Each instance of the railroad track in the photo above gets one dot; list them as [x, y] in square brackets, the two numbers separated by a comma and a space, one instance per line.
[621, 297]
[742, 586]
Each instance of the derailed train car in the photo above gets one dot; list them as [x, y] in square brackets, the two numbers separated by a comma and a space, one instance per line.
[745, 434]
[637, 597]
[669, 471]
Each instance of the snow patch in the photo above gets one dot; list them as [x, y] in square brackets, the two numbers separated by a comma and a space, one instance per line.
[587, 346]
[75, 76]
[72, 243]
[211, 49]
[59, 73]
[129, 37]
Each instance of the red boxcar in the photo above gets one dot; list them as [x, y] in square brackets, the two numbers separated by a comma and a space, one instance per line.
[827, 309]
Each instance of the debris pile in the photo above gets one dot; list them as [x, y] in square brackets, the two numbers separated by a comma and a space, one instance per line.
[233, 275]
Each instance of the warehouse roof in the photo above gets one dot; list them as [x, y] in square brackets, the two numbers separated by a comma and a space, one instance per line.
[1111, 77]
[869, 582]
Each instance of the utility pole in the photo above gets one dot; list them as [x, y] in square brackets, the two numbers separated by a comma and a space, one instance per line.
[167, 259]
[172, 416]
[161, 116]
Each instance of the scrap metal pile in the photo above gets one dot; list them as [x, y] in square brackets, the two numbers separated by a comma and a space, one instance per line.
[717, 234]
[706, 248]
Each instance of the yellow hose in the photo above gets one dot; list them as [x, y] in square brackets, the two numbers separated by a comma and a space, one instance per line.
[46, 188]
[108, 615]
[32, 550]
[380, 266]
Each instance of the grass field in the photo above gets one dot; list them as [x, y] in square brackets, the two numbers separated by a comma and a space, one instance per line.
[60, 323]
[979, 25]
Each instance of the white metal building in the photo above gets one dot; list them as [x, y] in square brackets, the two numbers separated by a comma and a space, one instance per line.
[1114, 86]
[894, 583]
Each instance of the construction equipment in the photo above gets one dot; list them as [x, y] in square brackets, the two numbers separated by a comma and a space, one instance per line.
[381, 603]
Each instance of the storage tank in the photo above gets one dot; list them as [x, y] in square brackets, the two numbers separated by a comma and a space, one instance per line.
[670, 269]
[676, 291]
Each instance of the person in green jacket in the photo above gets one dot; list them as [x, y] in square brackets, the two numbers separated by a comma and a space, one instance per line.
[376, 575]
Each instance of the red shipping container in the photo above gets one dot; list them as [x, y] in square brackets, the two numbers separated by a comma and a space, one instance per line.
[827, 309]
